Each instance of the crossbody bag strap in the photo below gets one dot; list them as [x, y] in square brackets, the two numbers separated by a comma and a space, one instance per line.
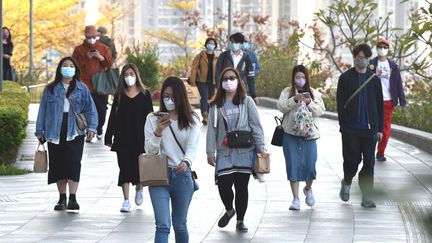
[72, 104]
[175, 138]
[358, 90]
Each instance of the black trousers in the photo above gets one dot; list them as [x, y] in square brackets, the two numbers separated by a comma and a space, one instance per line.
[101, 102]
[357, 147]
[241, 182]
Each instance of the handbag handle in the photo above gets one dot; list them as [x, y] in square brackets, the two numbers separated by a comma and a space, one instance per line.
[43, 146]
[278, 119]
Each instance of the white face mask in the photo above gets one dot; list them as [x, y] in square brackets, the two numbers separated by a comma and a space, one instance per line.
[169, 104]
[230, 85]
[382, 52]
[130, 81]
[91, 41]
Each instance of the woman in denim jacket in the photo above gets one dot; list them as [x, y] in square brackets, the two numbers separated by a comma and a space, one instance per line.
[56, 123]
[231, 109]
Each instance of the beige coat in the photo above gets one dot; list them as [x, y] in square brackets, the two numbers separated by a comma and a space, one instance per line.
[287, 106]
[200, 67]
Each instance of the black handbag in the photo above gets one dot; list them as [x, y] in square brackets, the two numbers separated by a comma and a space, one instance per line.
[277, 138]
[238, 138]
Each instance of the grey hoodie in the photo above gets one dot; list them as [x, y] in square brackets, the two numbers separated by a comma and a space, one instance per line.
[248, 121]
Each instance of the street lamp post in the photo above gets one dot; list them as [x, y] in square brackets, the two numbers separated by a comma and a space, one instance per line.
[229, 17]
[31, 42]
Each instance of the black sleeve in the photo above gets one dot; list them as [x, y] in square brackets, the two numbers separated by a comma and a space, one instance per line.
[340, 99]
[250, 77]
[219, 65]
[148, 103]
[110, 131]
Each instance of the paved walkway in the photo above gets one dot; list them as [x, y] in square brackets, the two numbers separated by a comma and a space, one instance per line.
[404, 184]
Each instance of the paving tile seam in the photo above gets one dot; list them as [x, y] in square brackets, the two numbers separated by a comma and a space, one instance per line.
[411, 154]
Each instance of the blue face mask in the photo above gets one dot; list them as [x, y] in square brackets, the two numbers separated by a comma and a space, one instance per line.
[247, 46]
[210, 47]
[68, 72]
[235, 46]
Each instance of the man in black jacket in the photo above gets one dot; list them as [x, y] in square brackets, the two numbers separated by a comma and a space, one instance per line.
[361, 123]
[236, 58]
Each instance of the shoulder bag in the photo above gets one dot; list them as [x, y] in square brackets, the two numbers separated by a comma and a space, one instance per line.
[277, 139]
[194, 174]
[81, 120]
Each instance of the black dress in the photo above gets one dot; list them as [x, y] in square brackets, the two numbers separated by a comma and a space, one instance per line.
[7, 69]
[126, 125]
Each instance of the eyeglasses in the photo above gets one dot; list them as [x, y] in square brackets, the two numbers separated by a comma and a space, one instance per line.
[168, 97]
[231, 78]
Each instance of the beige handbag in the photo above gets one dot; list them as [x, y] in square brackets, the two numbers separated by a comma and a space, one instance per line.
[262, 163]
[153, 170]
[41, 160]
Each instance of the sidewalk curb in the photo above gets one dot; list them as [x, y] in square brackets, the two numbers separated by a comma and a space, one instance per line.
[417, 138]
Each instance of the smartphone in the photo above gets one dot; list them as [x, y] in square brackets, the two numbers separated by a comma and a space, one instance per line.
[162, 115]
[306, 94]
[93, 50]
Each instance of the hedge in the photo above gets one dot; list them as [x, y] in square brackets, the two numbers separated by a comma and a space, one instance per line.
[14, 104]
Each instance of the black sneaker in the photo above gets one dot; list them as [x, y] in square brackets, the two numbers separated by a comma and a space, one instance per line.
[61, 205]
[73, 205]
[224, 220]
[240, 227]
[381, 158]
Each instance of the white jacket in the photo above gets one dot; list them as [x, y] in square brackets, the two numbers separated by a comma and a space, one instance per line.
[288, 106]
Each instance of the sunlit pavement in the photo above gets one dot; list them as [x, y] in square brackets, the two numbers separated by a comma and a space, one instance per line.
[403, 183]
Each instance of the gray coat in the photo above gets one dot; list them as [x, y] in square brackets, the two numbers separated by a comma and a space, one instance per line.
[248, 121]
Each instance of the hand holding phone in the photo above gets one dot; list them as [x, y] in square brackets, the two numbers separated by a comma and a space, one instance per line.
[306, 94]
[162, 115]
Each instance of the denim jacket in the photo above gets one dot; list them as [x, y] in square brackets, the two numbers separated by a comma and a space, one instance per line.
[50, 113]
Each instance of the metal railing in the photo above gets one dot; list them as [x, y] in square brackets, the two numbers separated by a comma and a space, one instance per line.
[35, 92]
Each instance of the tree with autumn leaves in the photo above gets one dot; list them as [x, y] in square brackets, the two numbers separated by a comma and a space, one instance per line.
[58, 25]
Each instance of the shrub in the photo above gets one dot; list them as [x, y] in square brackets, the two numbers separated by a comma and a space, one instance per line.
[13, 120]
[414, 116]
[146, 59]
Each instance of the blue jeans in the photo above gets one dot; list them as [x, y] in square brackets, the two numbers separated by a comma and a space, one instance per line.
[180, 191]
[206, 91]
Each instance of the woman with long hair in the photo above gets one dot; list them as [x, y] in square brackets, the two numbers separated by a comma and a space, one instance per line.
[231, 110]
[176, 135]
[132, 103]
[56, 123]
[300, 152]
[7, 54]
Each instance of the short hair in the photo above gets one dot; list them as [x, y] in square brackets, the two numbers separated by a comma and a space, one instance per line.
[210, 39]
[365, 48]
[237, 38]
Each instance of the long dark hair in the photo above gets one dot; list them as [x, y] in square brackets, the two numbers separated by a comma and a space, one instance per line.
[122, 86]
[9, 39]
[59, 77]
[306, 87]
[219, 98]
[181, 101]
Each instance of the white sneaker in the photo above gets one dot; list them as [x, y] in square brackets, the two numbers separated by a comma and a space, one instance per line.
[260, 177]
[295, 205]
[310, 200]
[125, 207]
[139, 197]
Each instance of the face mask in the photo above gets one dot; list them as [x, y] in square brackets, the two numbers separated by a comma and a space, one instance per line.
[169, 104]
[91, 41]
[235, 46]
[361, 63]
[382, 52]
[210, 47]
[130, 81]
[68, 72]
[247, 46]
[230, 85]
[300, 82]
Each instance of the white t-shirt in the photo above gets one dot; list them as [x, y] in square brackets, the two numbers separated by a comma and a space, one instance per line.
[383, 71]
[66, 101]
[236, 58]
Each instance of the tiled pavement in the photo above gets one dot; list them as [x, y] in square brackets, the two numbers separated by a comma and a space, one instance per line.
[404, 186]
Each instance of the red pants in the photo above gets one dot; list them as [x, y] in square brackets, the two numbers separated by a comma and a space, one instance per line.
[388, 110]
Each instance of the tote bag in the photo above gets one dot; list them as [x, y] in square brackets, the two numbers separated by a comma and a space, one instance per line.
[153, 170]
[41, 160]
[105, 82]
